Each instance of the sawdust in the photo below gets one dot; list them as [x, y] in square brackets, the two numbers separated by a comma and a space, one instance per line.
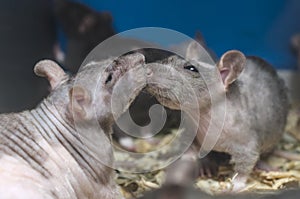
[284, 173]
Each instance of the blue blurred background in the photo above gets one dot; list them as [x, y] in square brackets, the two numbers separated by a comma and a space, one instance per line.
[256, 27]
[28, 33]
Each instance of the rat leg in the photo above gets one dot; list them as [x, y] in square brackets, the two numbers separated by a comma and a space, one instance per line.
[264, 166]
[186, 169]
[262, 163]
[183, 171]
[244, 160]
[208, 166]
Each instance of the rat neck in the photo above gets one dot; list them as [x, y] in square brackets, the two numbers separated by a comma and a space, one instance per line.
[58, 130]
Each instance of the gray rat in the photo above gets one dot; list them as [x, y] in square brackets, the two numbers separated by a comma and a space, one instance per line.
[45, 152]
[256, 103]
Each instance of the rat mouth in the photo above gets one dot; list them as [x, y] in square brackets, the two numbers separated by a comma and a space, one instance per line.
[122, 65]
[164, 96]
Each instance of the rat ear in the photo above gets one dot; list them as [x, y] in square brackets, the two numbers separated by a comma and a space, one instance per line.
[52, 71]
[230, 66]
[193, 51]
[80, 99]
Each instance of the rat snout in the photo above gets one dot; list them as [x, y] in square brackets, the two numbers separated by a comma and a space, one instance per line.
[126, 63]
[136, 59]
[149, 72]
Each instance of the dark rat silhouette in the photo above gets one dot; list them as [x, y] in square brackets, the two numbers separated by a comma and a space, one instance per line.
[84, 28]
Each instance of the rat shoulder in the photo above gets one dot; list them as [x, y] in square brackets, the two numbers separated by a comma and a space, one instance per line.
[261, 70]
[261, 64]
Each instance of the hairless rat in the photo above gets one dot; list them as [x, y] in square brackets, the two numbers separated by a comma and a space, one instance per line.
[42, 153]
[256, 103]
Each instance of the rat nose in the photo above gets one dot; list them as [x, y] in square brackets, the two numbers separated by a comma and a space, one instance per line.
[149, 72]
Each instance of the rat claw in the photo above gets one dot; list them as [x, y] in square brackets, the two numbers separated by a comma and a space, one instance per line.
[238, 183]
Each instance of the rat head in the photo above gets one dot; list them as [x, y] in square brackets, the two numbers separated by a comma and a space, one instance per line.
[94, 86]
[89, 94]
[81, 22]
[295, 41]
[175, 79]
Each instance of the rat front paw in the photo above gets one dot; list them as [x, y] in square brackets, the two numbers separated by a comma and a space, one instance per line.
[238, 183]
[208, 167]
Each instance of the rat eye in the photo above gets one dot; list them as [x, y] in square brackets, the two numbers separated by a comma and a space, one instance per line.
[109, 78]
[191, 68]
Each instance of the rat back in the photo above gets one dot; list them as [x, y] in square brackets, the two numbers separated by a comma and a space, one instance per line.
[258, 99]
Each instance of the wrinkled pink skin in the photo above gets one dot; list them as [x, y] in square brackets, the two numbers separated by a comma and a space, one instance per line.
[42, 154]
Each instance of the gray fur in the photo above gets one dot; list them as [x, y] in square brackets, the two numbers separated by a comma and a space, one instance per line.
[256, 107]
